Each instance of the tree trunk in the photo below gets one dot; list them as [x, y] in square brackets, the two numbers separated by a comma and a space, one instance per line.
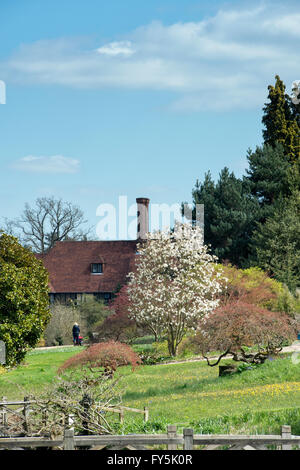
[172, 348]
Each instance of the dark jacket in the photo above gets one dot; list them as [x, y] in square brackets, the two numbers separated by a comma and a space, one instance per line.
[76, 330]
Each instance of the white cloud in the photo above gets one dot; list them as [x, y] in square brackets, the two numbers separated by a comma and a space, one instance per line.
[222, 62]
[287, 24]
[117, 48]
[52, 164]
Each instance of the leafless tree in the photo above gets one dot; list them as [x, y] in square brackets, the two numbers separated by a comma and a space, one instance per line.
[51, 220]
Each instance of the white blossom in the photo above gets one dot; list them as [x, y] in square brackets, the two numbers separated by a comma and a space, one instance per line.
[175, 283]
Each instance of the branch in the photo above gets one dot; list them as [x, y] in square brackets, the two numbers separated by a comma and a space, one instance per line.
[220, 357]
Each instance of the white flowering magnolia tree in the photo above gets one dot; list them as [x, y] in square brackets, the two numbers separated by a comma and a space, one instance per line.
[174, 284]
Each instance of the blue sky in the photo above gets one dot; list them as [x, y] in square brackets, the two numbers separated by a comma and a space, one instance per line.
[135, 98]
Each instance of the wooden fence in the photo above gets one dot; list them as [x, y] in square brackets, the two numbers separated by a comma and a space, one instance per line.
[20, 410]
[121, 411]
[188, 440]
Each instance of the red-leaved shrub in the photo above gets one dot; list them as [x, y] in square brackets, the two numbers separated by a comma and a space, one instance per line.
[237, 325]
[110, 356]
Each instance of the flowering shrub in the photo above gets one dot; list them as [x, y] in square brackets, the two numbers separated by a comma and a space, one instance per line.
[110, 356]
[174, 284]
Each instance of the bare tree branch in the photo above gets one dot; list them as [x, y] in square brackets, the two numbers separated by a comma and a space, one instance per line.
[51, 220]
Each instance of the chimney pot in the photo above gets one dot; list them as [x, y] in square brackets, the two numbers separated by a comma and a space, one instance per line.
[142, 217]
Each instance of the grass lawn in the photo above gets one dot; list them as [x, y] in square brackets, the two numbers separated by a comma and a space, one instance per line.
[189, 394]
[193, 394]
[38, 369]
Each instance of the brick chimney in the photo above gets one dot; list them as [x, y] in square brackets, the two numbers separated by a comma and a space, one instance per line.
[142, 217]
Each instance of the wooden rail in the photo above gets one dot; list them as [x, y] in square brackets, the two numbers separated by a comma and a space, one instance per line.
[25, 405]
[121, 409]
[188, 440]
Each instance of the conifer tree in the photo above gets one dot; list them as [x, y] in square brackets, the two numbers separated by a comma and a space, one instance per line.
[229, 215]
[280, 121]
[268, 176]
[276, 243]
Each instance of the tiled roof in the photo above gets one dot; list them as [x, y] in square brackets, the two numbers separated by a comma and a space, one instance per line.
[69, 265]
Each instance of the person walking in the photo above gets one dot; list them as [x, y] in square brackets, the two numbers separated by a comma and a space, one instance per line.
[76, 331]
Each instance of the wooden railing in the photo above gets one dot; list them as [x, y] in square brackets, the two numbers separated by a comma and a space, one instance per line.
[121, 410]
[24, 407]
[188, 440]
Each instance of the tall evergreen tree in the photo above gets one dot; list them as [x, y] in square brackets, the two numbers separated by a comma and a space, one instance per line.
[234, 207]
[229, 215]
[280, 121]
[204, 193]
[276, 243]
[268, 176]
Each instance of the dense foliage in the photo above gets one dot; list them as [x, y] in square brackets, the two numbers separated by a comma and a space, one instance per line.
[280, 121]
[276, 243]
[230, 213]
[268, 177]
[254, 286]
[24, 305]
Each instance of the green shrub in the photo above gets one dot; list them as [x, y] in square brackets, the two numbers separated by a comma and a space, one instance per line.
[254, 286]
[187, 348]
[161, 348]
[92, 312]
[24, 303]
[149, 358]
[153, 353]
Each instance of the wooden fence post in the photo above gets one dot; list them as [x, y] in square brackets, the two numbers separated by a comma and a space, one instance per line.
[4, 413]
[45, 417]
[69, 443]
[172, 433]
[26, 414]
[286, 432]
[86, 403]
[188, 436]
[146, 414]
[121, 416]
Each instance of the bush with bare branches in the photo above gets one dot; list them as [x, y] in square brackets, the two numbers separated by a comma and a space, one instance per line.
[59, 329]
[83, 401]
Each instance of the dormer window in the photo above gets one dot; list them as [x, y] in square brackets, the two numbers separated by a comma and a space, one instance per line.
[96, 268]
